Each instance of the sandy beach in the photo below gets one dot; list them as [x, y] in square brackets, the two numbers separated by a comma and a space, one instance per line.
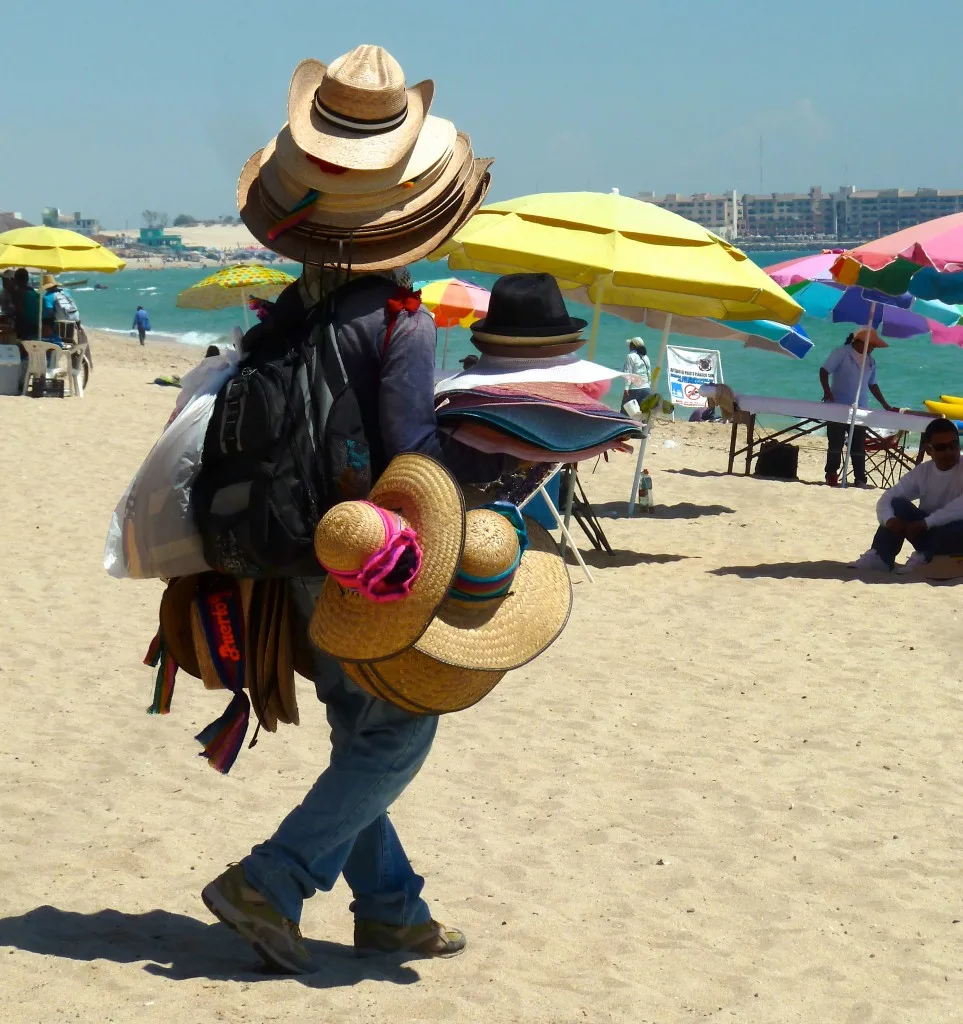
[733, 790]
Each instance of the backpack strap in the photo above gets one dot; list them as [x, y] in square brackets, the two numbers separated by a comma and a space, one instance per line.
[404, 300]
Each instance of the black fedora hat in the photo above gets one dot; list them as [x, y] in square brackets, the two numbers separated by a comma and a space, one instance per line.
[527, 309]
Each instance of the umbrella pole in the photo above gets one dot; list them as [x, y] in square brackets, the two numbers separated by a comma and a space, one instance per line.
[855, 407]
[444, 351]
[596, 316]
[656, 373]
[247, 320]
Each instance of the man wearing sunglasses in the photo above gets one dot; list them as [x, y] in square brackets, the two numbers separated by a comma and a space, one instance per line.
[925, 507]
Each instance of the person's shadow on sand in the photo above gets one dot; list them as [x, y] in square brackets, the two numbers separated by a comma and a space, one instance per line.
[824, 570]
[180, 948]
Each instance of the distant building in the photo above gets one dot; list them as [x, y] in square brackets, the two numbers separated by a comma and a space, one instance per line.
[157, 238]
[53, 218]
[719, 212]
[870, 213]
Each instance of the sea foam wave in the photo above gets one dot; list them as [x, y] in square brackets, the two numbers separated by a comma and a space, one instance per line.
[198, 339]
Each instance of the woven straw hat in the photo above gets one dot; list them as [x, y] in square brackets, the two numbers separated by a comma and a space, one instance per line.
[357, 112]
[421, 685]
[434, 145]
[313, 241]
[352, 627]
[506, 632]
[175, 623]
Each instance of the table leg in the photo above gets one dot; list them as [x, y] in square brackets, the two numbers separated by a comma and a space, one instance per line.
[750, 441]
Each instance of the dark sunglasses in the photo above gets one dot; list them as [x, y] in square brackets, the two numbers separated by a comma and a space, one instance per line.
[945, 446]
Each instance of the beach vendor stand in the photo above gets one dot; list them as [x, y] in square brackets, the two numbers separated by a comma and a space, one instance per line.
[888, 432]
[615, 252]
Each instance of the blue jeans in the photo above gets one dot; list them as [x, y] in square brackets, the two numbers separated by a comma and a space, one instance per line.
[342, 825]
[940, 540]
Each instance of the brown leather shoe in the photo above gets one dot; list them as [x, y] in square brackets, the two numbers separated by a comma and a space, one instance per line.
[428, 939]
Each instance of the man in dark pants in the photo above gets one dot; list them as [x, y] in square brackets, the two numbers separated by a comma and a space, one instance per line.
[935, 525]
[839, 376]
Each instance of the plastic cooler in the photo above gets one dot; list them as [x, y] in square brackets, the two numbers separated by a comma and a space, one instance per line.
[10, 370]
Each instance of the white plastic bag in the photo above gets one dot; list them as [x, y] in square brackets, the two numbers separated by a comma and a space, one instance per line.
[152, 533]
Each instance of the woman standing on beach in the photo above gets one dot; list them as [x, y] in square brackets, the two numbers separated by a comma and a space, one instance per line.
[637, 363]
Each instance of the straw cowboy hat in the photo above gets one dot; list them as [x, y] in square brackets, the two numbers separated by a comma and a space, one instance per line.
[528, 311]
[510, 599]
[390, 561]
[48, 281]
[357, 112]
[870, 335]
[360, 175]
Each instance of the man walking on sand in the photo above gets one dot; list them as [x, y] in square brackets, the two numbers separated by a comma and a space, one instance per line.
[355, 128]
[141, 323]
[839, 377]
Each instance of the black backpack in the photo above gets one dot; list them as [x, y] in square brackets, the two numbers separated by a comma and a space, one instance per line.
[285, 442]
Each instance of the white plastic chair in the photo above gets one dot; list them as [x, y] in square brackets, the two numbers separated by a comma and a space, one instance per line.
[37, 352]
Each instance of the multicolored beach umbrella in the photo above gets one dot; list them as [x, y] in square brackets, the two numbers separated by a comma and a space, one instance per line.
[233, 285]
[453, 303]
[810, 281]
[925, 260]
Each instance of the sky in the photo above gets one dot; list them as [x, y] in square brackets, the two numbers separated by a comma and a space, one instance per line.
[116, 106]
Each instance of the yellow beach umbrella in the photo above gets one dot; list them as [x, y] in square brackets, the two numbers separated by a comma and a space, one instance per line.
[619, 251]
[615, 251]
[54, 250]
[233, 286]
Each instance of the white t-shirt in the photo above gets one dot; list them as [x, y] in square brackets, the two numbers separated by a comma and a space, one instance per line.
[638, 365]
[940, 494]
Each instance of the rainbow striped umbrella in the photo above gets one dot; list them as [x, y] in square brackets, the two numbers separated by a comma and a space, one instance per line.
[453, 303]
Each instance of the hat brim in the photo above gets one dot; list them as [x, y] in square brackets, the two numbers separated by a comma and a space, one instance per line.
[342, 146]
[527, 335]
[507, 632]
[377, 212]
[436, 138]
[419, 684]
[319, 245]
[530, 351]
[350, 627]
[175, 623]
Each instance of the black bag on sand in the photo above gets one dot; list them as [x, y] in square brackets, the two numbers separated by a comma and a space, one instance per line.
[777, 460]
[285, 442]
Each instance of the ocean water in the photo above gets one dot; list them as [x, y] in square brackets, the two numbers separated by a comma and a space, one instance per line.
[909, 371]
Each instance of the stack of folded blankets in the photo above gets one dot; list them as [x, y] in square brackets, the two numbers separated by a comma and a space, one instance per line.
[529, 395]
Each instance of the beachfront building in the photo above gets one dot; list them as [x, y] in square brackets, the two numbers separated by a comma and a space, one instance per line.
[849, 213]
[53, 218]
[158, 238]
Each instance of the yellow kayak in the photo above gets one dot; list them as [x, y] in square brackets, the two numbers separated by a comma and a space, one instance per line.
[952, 399]
[951, 410]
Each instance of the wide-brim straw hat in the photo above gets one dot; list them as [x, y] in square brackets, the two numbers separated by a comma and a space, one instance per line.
[370, 213]
[175, 623]
[49, 281]
[506, 632]
[357, 112]
[872, 336]
[317, 243]
[419, 684]
[350, 626]
[435, 142]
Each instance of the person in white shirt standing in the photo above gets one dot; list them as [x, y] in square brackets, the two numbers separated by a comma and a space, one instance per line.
[637, 363]
[839, 377]
[934, 526]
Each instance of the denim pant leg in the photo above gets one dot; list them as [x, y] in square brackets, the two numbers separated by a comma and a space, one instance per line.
[835, 446]
[886, 543]
[342, 825]
[942, 540]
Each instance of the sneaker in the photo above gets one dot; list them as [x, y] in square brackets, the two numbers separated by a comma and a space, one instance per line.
[915, 561]
[428, 939]
[863, 485]
[241, 907]
[832, 479]
[870, 560]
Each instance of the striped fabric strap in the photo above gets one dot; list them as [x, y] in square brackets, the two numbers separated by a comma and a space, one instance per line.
[466, 587]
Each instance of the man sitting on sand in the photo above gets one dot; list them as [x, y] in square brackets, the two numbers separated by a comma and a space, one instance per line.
[935, 525]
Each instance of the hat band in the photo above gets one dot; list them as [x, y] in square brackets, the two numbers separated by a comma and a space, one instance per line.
[466, 587]
[388, 574]
[361, 125]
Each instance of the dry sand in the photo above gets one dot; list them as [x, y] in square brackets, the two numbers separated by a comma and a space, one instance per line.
[732, 790]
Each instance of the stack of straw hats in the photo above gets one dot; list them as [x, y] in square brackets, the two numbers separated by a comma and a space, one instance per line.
[361, 174]
[487, 592]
